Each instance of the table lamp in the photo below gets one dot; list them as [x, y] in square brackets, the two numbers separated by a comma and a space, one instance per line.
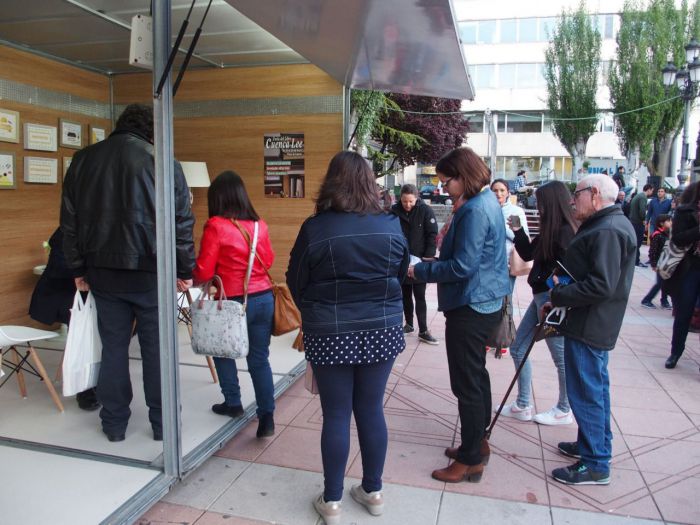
[196, 175]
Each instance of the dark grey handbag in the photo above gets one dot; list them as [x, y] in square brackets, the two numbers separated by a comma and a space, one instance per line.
[504, 333]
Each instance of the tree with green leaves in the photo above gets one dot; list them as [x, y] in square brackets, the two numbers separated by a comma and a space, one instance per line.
[572, 61]
[648, 35]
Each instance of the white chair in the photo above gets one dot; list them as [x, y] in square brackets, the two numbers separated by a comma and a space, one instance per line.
[13, 336]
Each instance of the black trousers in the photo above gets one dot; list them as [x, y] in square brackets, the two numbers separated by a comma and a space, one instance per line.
[116, 313]
[466, 331]
[639, 230]
[416, 290]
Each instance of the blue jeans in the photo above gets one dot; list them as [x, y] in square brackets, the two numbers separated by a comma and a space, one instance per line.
[344, 390]
[684, 301]
[523, 338]
[259, 317]
[588, 386]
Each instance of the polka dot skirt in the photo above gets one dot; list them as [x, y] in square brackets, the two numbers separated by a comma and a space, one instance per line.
[355, 348]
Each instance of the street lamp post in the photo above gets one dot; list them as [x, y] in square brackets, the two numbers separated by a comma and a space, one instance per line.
[687, 79]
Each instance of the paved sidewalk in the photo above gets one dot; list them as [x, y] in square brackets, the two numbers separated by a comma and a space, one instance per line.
[656, 447]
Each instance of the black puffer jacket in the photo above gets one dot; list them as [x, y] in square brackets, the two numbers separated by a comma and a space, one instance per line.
[601, 259]
[419, 227]
[108, 213]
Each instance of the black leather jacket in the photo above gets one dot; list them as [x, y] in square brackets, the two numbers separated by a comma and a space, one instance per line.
[601, 258]
[108, 214]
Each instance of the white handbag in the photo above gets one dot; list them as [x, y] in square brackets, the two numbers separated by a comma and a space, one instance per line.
[219, 327]
[81, 361]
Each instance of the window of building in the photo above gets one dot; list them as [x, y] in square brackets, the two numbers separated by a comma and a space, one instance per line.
[528, 76]
[506, 76]
[547, 124]
[604, 72]
[500, 119]
[527, 30]
[606, 24]
[524, 122]
[476, 123]
[547, 27]
[509, 31]
[484, 76]
[487, 32]
[606, 123]
[467, 32]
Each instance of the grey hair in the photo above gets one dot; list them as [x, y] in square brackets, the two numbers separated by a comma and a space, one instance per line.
[607, 188]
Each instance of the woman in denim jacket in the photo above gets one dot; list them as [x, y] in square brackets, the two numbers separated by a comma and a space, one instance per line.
[472, 277]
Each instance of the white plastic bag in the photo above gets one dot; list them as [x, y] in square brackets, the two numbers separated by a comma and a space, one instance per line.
[81, 362]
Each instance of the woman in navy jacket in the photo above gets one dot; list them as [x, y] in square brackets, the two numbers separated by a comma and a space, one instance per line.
[472, 277]
[345, 273]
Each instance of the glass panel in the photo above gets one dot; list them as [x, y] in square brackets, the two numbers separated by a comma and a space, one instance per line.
[547, 125]
[467, 32]
[609, 25]
[506, 76]
[528, 75]
[476, 123]
[527, 28]
[509, 31]
[485, 76]
[524, 122]
[547, 26]
[604, 72]
[487, 32]
[606, 123]
[500, 122]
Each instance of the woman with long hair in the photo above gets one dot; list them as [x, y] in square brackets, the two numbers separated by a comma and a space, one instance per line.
[345, 273]
[684, 284]
[472, 277]
[224, 251]
[501, 190]
[557, 228]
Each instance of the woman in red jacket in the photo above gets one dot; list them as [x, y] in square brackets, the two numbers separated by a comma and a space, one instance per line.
[224, 252]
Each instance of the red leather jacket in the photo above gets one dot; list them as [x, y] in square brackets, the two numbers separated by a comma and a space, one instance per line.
[224, 252]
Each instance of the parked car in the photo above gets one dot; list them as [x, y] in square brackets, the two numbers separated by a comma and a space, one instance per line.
[435, 194]
[426, 192]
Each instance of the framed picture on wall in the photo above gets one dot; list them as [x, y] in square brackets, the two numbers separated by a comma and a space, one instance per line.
[7, 171]
[39, 137]
[9, 126]
[71, 134]
[96, 134]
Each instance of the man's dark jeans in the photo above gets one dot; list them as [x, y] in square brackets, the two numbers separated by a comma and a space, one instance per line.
[416, 290]
[116, 313]
[684, 303]
[466, 331]
[639, 230]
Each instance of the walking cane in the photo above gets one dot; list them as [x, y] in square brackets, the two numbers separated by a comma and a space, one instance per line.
[535, 338]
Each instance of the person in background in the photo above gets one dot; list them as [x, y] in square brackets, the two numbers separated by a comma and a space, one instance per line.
[108, 219]
[52, 301]
[557, 228]
[420, 229]
[345, 273]
[660, 204]
[637, 216]
[500, 188]
[658, 239]
[619, 177]
[600, 260]
[620, 201]
[224, 251]
[684, 284]
[520, 180]
[471, 273]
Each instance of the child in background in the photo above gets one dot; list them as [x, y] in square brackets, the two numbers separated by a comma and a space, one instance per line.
[658, 239]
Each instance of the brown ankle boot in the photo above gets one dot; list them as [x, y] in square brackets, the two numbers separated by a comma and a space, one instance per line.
[459, 472]
[484, 450]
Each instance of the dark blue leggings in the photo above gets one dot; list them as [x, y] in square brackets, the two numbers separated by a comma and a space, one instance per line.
[344, 390]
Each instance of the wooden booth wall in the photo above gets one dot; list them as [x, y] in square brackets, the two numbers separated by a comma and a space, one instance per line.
[42, 91]
[221, 117]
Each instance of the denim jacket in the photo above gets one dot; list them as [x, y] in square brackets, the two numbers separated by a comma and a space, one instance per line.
[345, 272]
[472, 267]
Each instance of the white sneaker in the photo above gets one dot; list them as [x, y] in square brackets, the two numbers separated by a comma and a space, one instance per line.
[373, 501]
[554, 416]
[513, 410]
[329, 510]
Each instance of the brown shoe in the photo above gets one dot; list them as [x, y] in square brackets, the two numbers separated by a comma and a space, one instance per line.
[459, 472]
[484, 450]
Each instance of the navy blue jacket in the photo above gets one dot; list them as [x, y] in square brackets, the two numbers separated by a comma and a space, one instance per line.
[345, 272]
[472, 267]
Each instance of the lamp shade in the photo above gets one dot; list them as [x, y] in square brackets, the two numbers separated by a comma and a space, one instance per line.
[694, 70]
[669, 74]
[196, 174]
[681, 77]
[692, 50]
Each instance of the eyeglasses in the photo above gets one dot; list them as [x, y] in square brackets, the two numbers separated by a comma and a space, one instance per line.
[577, 192]
[446, 180]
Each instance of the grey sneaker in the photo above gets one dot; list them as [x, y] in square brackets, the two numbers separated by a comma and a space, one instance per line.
[329, 510]
[407, 329]
[427, 337]
[372, 501]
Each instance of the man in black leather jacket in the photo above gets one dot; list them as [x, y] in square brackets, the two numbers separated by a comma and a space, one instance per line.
[601, 260]
[108, 219]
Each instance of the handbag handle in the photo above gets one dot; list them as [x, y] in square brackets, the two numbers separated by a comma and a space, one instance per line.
[247, 238]
[251, 259]
[219, 284]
